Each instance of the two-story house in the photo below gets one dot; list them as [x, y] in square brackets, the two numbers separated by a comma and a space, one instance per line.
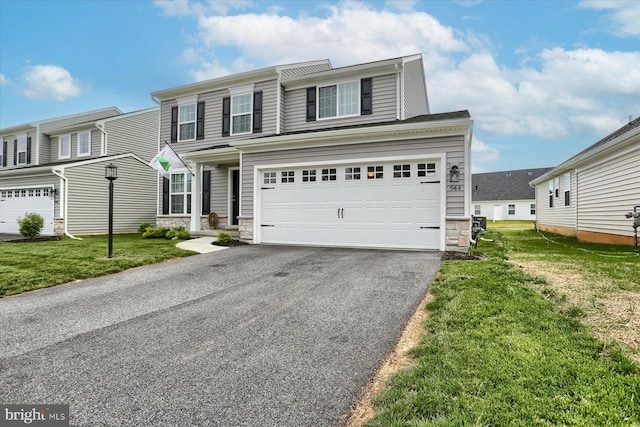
[56, 168]
[315, 155]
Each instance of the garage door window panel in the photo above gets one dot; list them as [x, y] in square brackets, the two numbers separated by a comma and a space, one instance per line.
[352, 174]
[329, 174]
[309, 175]
[269, 178]
[402, 171]
[426, 170]
[375, 172]
[287, 177]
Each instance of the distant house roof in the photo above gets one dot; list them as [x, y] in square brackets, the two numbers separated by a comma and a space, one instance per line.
[505, 185]
[617, 138]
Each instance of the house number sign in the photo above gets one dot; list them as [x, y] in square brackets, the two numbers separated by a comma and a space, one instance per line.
[455, 187]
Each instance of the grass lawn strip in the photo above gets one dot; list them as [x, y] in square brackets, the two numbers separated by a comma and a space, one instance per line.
[497, 353]
[29, 266]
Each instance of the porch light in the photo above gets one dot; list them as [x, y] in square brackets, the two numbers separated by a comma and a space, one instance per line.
[454, 174]
[111, 172]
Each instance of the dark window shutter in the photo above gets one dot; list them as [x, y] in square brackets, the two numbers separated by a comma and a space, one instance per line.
[206, 192]
[226, 116]
[15, 151]
[4, 153]
[165, 196]
[311, 104]
[28, 149]
[366, 96]
[174, 124]
[200, 121]
[257, 112]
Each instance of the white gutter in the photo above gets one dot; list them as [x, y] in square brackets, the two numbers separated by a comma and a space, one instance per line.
[64, 187]
[103, 139]
[398, 100]
[278, 100]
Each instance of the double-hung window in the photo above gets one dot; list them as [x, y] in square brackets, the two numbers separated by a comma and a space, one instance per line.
[511, 209]
[84, 143]
[567, 189]
[64, 149]
[21, 150]
[339, 100]
[2, 158]
[180, 193]
[187, 122]
[241, 113]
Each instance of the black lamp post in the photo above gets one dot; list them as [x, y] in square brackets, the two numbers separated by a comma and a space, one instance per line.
[111, 173]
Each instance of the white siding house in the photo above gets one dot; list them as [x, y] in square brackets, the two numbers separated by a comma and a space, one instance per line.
[505, 195]
[589, 194]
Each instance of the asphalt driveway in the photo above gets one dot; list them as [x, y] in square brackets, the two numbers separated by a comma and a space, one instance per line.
[253, 335]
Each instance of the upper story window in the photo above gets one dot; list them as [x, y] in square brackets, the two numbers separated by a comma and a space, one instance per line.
[21, 150]
[84, 143]
[241, 108]
[187, 122]
[64, 146]
[339, 100]
[3, 153]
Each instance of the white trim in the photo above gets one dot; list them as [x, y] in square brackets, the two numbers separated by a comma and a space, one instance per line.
[337, 84]
[196, 198]
[194, 121]
[186, 100]
[27, 187]
[240, 190]
[21, 137]
[60, 155]
[241, 90]
[249, 113]
[88, 153]
[439, 157]
[230, 194]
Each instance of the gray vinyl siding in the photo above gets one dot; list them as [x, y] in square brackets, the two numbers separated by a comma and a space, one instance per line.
[559, 215]
[136, 133]
[88, 197]
[45, 152]
[384, 107]
[9, 139]
[452, 146]
[220, 190]
[607, 191]
[213, 118]
[415, 90]
[43, 179]
[58, 126]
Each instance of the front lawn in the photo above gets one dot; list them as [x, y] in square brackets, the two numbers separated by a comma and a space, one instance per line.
[28, 266]
[500, 352]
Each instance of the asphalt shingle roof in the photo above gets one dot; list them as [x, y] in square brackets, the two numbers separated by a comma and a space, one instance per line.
[505, 185]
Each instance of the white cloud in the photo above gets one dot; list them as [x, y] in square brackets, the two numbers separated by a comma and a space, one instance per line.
[50, 82]
[4, 80]
[482, 153]
[187, 7]
[624, 15]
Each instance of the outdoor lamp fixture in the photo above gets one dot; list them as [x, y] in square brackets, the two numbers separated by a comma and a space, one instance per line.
[454, 174]
[111, 173]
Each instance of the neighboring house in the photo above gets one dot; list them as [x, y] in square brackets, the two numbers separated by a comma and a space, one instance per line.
[56, 168]
[315, 155]
[505, 195]
[588, 195]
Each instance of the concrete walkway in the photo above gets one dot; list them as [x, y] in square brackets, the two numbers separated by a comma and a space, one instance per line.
[201, 244]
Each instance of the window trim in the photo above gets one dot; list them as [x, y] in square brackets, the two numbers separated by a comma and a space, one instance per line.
[3, 144]
[532, 208]
[567, 189]
[337, 85]
[88, 152]
[509, 210]
[477, 210]
[247, 113]
[180, 122]
[187, 193]
[60, 155]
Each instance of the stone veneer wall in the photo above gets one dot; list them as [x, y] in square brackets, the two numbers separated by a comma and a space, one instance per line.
[457, 235]
[245, 227]
[58, 226]
[185, 221]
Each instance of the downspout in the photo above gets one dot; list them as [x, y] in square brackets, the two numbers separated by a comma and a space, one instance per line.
[63, 202]
[103, 139]
[278, 101]
[398, 98]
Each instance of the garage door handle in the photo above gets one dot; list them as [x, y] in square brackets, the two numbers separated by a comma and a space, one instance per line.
[430, 228]
[268, 188]
[267, 225]
[429, 182]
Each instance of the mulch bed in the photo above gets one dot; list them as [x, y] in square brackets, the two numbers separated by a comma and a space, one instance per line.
[233, 242]
[459, 256]
[37, 239]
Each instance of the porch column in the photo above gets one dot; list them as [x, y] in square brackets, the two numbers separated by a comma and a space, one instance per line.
[196, 197]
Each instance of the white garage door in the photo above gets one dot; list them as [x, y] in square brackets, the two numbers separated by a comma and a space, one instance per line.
[15, 203]
[379, 205]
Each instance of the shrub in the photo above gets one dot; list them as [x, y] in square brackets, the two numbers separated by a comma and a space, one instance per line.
[178, 233]
[224, 238]
[31, 225]
[155, 233]
[143, 227]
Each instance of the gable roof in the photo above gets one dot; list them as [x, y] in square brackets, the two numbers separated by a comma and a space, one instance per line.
[505, 185]
[618, 137]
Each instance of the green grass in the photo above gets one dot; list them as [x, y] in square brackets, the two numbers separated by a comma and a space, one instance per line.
[498, 353]
[28, 266]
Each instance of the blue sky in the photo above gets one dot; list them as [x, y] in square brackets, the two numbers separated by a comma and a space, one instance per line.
[542, 79]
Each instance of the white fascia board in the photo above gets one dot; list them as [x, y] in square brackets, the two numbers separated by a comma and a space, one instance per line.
[26, 171]
[633, 136]
[280, 68]
[213, 155]
[61, 168]
[330, 76]
[394, 132]
[17, 129]
[124, 116]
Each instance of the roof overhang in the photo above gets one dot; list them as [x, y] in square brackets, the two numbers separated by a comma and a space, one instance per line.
[379, 133]
[623, 141]
[214, 155]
